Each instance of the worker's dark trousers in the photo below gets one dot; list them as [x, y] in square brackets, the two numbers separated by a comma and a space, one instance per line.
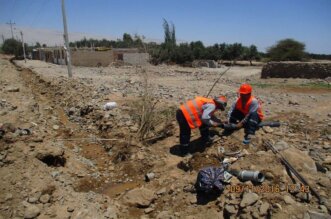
[252, 123]
[185, 130]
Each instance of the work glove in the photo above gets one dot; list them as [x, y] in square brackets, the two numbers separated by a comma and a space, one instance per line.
[221, 125]
[230, 126]
[240, 125]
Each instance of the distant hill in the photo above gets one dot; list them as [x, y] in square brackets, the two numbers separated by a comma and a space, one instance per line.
[48, 36]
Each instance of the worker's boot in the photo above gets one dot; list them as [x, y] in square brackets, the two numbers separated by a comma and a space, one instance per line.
[247, 139]
[184, 150]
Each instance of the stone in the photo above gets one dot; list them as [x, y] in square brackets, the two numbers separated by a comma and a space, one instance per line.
[31, 211]
[293, 102]
[278, 206]
[324, 182]
[304, 197]
[281, 145]
[267, 129]
[85, 214]
[288, 200]
[165, 215]
[13, 89]
[148, 210]
[139, 197]
[44, 198]
[161, 191]
[149, 176]
[300, 160]
[192, 199]
[56, 127]
[134, 128]
[249, 198]
[70, 209]
[264, 208]
[230, 209]
[48, 151]
[111, 213]
[245, 216]
[8, 197]
[255, 214]
[316, 215]
[269, 176]
[323, 208]
[32, 199]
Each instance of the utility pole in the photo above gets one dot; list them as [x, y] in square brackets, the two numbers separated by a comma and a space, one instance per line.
[66, 39]
[23, 47]
[3, 39]
[11, 28]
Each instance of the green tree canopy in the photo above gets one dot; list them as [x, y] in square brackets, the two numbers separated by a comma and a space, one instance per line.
[287, 50]
[13, 47]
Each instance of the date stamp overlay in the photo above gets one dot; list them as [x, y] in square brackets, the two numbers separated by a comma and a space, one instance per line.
[264, 188]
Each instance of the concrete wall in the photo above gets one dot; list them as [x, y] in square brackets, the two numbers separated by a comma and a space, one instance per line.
[296, 70]
[91, 58]
[136, 58]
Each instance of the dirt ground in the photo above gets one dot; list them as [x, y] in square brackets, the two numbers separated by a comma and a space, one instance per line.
[80, 161]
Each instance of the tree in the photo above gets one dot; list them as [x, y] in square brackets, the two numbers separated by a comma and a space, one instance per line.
[198, 49]
[44, 45]
[127, 40]
[37, 45]
[287, 50]
[13, 47]
[183, 54]
[250, 53]
[235, 51]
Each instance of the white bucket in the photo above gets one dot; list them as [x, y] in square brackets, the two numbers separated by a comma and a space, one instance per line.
[110, 105]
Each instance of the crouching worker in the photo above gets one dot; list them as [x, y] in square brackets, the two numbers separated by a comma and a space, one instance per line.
[198, 113]
[246, 113]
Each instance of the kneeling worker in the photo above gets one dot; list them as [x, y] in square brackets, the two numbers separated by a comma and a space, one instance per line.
[246, 113]
[198, 113]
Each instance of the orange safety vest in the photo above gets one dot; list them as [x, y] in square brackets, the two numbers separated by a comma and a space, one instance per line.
[245, 109]
[192, 110]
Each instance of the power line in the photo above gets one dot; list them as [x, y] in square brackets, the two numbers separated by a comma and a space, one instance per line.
[11, 28]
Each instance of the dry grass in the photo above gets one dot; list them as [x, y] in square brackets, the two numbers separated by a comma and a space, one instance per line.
[155, 121]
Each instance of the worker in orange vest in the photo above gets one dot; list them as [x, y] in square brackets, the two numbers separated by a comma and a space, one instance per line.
[245, 112]
[198, 113]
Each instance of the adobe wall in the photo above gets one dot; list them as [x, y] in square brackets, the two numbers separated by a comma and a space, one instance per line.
[136, 58]
[296, 70]
[91, 58]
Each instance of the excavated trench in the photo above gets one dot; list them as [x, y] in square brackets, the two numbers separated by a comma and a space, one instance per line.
[48, 94]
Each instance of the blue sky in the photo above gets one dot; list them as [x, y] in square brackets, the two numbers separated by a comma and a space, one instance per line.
[259, 22]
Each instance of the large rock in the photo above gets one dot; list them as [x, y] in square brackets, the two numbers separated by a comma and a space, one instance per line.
[249, 198]
[31, 211]
[299, 160]
[140, 197]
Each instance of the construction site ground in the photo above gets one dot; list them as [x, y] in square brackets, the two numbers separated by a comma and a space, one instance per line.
[81, 161]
